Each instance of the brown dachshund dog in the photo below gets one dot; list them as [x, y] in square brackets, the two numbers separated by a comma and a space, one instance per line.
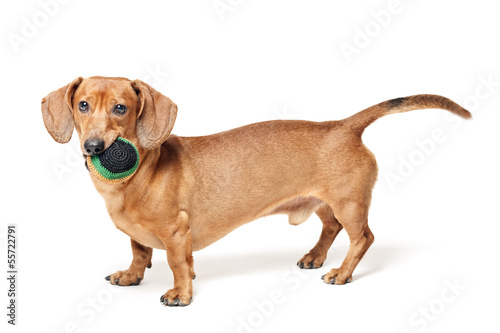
[191, 191]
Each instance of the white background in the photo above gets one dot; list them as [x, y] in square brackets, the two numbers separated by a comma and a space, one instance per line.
[258, 61]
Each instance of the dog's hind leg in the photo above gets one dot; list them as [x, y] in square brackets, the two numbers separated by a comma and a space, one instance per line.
[354, 217]
[331, 228]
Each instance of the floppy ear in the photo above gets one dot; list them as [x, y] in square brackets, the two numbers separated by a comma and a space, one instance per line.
[57, 112]
[156, 116]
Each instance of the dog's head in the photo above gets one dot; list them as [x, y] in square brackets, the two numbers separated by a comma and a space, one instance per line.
[102, 109]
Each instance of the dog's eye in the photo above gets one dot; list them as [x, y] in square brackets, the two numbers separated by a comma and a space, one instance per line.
[83, 106]
[120, 109]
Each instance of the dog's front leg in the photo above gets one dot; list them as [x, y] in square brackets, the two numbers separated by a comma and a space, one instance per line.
[177, 239]
[135, 273]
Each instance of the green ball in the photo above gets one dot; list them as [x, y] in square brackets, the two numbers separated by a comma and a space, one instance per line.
[116, 164]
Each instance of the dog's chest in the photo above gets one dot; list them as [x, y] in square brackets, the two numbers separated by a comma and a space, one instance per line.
[136, 231]
[128, 220]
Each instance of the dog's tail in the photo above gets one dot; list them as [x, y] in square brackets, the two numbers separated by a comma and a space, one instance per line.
[362, 119]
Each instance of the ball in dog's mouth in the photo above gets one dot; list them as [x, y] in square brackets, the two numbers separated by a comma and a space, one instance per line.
[116, 164]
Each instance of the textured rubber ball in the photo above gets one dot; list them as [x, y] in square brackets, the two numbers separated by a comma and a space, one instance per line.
[116, 164]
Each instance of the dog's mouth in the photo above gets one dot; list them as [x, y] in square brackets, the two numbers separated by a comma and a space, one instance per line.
[86, 164]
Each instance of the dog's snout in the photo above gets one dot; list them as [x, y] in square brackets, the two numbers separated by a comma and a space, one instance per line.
[93, 146]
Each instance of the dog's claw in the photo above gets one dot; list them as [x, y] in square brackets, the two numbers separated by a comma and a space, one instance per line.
[149, 265]
[107, 278]
[194, 276]
[310, 266]
[332, 281]
[117, 281]
[176, 302]
[137, 283]
[184, 304]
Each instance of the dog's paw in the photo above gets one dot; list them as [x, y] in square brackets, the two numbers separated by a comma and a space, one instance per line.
[124, 278]
[335, 276]
[176, 297]
[310, 261]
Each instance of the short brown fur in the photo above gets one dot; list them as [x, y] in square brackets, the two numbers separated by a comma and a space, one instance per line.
[191, 191]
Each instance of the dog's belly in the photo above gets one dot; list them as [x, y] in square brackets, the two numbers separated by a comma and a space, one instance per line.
[297, 208]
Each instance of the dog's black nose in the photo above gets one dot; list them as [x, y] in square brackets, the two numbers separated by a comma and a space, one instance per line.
[94, 146]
